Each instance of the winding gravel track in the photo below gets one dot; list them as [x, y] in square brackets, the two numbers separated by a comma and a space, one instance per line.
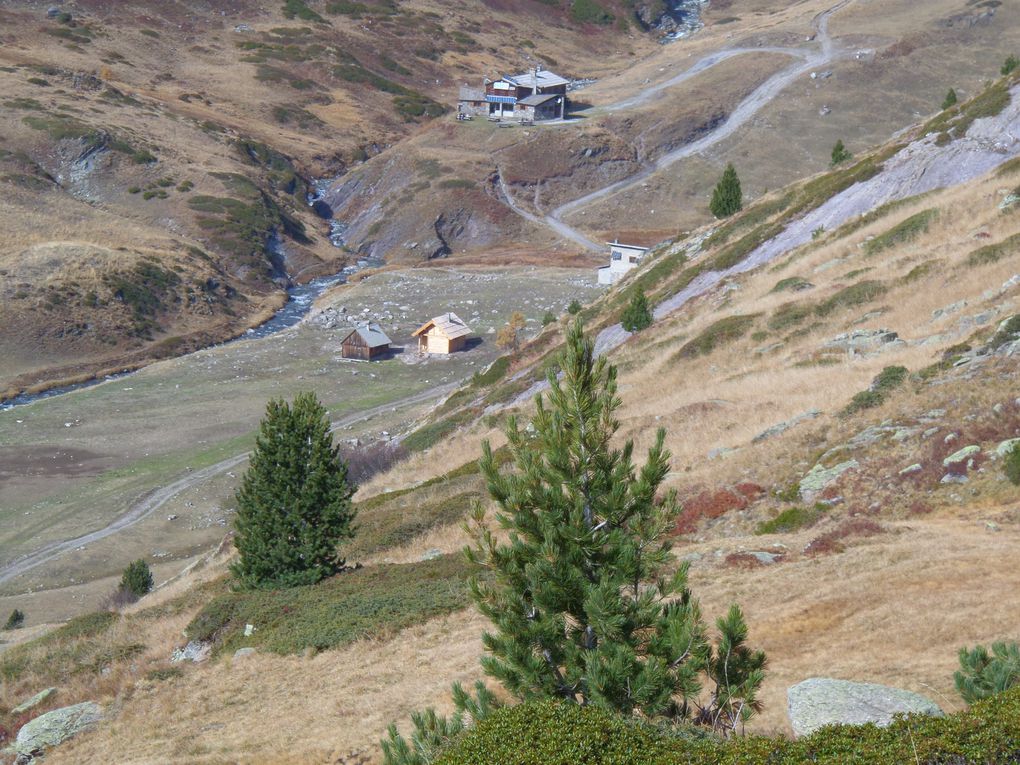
[750, 106]
[153, 501]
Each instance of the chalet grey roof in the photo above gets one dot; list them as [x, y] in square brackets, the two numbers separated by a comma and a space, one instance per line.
[545, 79]
[449, 325]
[371, 333]
[471, 94]
[538, 99]
[623, 246]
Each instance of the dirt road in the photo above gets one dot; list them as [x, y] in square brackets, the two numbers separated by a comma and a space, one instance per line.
[754, 103]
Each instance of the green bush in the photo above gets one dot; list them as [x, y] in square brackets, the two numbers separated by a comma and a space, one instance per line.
[840, 154]
[849, 297]
[574, 308]
[983, 674]
[15, 620]
[950, 100]
[372, 602]
[889, 379]
[1011, 63]
[792, 519]
[1011, 465]
[637, 316]
[590, 12]
[546, 733]
[1007, 333]
[718, 334]
[866, 399]
[137, 579]
[548, 319]
[903, 232]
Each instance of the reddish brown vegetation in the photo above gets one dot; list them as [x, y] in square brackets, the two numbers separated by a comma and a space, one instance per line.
[832, 541]
[708, 505]
[743, 560]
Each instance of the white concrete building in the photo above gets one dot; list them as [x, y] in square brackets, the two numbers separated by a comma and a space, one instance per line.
[622, 258]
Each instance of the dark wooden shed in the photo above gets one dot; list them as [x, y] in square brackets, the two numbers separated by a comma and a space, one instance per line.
[365, 342]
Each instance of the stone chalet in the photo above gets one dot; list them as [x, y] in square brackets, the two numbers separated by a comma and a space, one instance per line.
[622, 258]
[529, 97]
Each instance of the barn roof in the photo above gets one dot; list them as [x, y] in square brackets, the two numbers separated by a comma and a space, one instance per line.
[471, 94]
[371, 333]
[541, 79]
[449, 325]
[538, 99]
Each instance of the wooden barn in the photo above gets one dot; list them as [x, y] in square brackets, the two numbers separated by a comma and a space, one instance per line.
[443, 334]
[365, 342]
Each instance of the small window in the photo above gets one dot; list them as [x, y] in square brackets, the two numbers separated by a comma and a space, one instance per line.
[617, 255]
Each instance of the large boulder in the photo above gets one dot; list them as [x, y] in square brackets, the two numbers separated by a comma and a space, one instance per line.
[54, 728]
[822, 701]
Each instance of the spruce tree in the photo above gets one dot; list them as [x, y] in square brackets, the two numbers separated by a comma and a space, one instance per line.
[840, 153]
[137, 579]
[294, 503]
[637, 316]
[727, 198]
[579, 596]
[950, 100]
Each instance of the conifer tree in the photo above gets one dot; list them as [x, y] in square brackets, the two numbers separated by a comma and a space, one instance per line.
[294, 503]
[579, 597]
[727, 198]
[840, 153]
[637, 316]
[950, 100]
[137, 579]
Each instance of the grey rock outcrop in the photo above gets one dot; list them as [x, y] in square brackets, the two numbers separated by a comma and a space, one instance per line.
[54, 728]
[820, 477]
[35, 701]
[820, 701]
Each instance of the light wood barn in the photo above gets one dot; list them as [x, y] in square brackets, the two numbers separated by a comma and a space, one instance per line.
[442, 334]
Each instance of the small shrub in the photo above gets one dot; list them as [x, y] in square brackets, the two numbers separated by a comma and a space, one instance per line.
[548, 319]
[1011, 63]
[1011, 465]
[983, 675]
[950, 100]
[889, 379]
[849, 297]
[637, 316]
[743, 560]
[792, 519]
[792, 284]
[866, 399]
[574, 308]
[1007, 333]
[840, 154]
[15, 620]
[903, 232]
[161, 674]
[720, 333]
[137, 578]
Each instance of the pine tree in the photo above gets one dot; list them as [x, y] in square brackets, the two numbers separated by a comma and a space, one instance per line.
[15, 620]
[581, 605]
[294, 503]
[727, 198]
[950, 100]
[982, 674]
[637, 315]
[840, 154]
[137, 579]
